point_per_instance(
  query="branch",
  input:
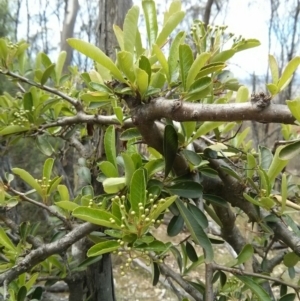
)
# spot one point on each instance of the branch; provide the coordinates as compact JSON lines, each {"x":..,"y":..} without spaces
{"x":235,"y":271}
{"x":50,"y":210}
{"x":40,"y":254}
{"x":75,"y":103}
{"x":186,"y":111}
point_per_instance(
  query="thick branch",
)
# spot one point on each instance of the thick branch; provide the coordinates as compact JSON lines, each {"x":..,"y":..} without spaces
{"x":185,"y":111}
{"x":38,"y":255}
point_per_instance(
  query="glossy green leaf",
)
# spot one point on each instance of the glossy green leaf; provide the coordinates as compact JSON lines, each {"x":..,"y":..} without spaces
{"x":130,"y":134}
{"x":231,"y":172}
{"x":63,"y":192}
{"x":138,"y":189}
{"x":223,"y":56}
{"x":154,"y":166}
{"x":185,"y":62}
{"x":288,"y":72}
{"x":100,"y":87}
{"x":103,"y":248}
{"x":294,"y":106}
{"x":22,"y":293}
{"x":290,"y":259}
{"x":273,"y":89}
{"x":125,"y":63}
{"x":28,"y":178}
{"x":114,"y":185}
{"x":274,"y":68}
{"x":60,"y":65}
{"x":177,"y":256}
{"x":250,"y":199}
{"x":97,"y":55}
{"x":242,"y":94}
{"x":198,"y":63}
{"x":199,"y":89}
{"x":42,"y":142}
{"x":192,"y":157}
{"x":197,"y":233}
{"x":205,"y":128}
{"x":5,"y":241}
{"x":246,"y":44}
{"x":265,"y":157}
{"x":251,"y":165}
{"x":13,"y":129}
{"x":288,"y":297}
{"x":276,"y":166}
{"x":47,"y":73}
{"x":47,"y":169}
{"x":32,"y":280}
{"x":173,"y":56}
{"x":255,"y":288}
{"x":175,"y":225}
{"x":246,"y":253}
{"x":150,"y":15}
{"x":155,"y":273}
{"x":108,"y":169}
{"x":154,"y":246}
{"x":110,"y":145}
{"x":170,"y":147}
{"x":162,"y":59}
{"x":97,"y":216}
{"x":290,"y":151}
{"x":145,"y":65}
{"x":119,"y":36}
{"x":130,"y":28}
{"x":141,"y":81}
{"x":216,"y":200}
{"x":191,"y":253}
{"x":161,"y":207}
{"x":129,"y":167}
{"x":67,"y":205}
{"x":168,"y":28}
{"x":284,"y":192}
{"x":186,"y":189}
{"x":198,"y":215}
{"x":210,"y":68}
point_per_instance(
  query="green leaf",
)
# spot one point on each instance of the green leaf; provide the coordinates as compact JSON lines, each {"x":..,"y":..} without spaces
{"x":273,"y":89}
{"x":288,"y":297}
{"x":185,"y":62}
{"x":246,"y":44}
{"x":175,"y":225}
{"x":154,"y":246}
{"x":110,"y":145}
{"x":198,"y":215}
{"x":138,"y":189}
{"x":265,"y":157}
{"x":197,"y":233}
{"x":173,"y":56}
{"x":170,"y":147}
{"x":5,"y":241}
{"x":47,"y":170}
{"x":129,"y":167}
{"x":103,"y":247}
{"x":251,"y":165}
{"x":290,"y":259}
{"x":294,"y":106}
{"x":199,"y":89}
{"x":130,"y":28}
{"x":47,"y":73}
{"x":198,"y":63}
{"x":205,"y":128}
{"x":191,"y":253}
{"x":254,"y":287}
{"x":28,"y":178}
{"x":244,"y":255}
{"x":130,"y":134}
{"x":67,"y":205}
{"x":125,"y":63}
{"x":210,"y":68}
{"x":150,"y":15}
{"x":223,"y":56}
{"x":108,"y":169}
{"x":142,"y":81}
{"x":288,"y":72}
{"x":186,"y":189}
{"x":155,"y":273}
{"x":274,"y":68}
{"x":242,"y":94}
{"x":144,"y":64}
{"x":63,"y":192}
{"x":192,"y":157}
{"x":168,"y":28}
{"x":276,"y":166}
{"x":97,"y":216}
{"x":114,"y":185}
{"x":59,"y":66}
{"x":97,"y":55}
{"x":290,"y":151}
{"x":162,"y":207}
{"x":13,"y":129}
{"x":22,"y":293}
{"x":284,"y":192}
{"x":163,"y":61}
{"x":119,"y":35}
{"x":250,"y":199}
{"x":216,"y":200}
{"x":44,"y":145}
